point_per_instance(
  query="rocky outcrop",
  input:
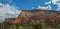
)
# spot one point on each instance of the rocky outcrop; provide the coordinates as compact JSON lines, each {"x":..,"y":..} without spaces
{"x":40,"y":14}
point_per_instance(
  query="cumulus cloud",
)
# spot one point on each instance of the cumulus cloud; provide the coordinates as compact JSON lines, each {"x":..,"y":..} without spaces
{"x":47,"y":7}
{"x":7,"y":11}
{"x":54,"y":1}
{"x":33,"y":7}
{"x":48,"y":2}
{"x":57,"y":2}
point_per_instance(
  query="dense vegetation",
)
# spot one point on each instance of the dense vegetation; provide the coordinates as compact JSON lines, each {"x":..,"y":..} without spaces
{"x":30,"y":25}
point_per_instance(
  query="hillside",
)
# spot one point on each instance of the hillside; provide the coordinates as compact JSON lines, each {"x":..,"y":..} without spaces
{"x":38,"y":15}
{"x":34,"y":19}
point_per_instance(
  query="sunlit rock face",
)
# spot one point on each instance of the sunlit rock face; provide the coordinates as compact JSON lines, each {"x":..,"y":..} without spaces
{"x":39,"y":14}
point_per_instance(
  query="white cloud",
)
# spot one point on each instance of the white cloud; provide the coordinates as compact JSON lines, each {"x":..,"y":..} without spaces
{"x":58,"y":9}
{"x":33,"y":7}
{"x":7,"y":11}
{"x":54,"y":1}
{"x":47,"y":7}
{"x":48,"y":2}
{"x":57,"y":2}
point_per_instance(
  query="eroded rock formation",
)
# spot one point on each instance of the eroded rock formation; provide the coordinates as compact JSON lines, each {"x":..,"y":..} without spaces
{"x":46,"y":15}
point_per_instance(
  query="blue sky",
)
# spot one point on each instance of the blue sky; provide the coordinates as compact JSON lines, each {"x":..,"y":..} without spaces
{"x":28,"y":4}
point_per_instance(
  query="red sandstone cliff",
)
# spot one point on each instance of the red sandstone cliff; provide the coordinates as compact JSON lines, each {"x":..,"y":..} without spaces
{"x":46,"y":15}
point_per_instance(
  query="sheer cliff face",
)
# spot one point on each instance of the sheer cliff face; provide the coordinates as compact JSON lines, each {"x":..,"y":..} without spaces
{"x":46,"y":15}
